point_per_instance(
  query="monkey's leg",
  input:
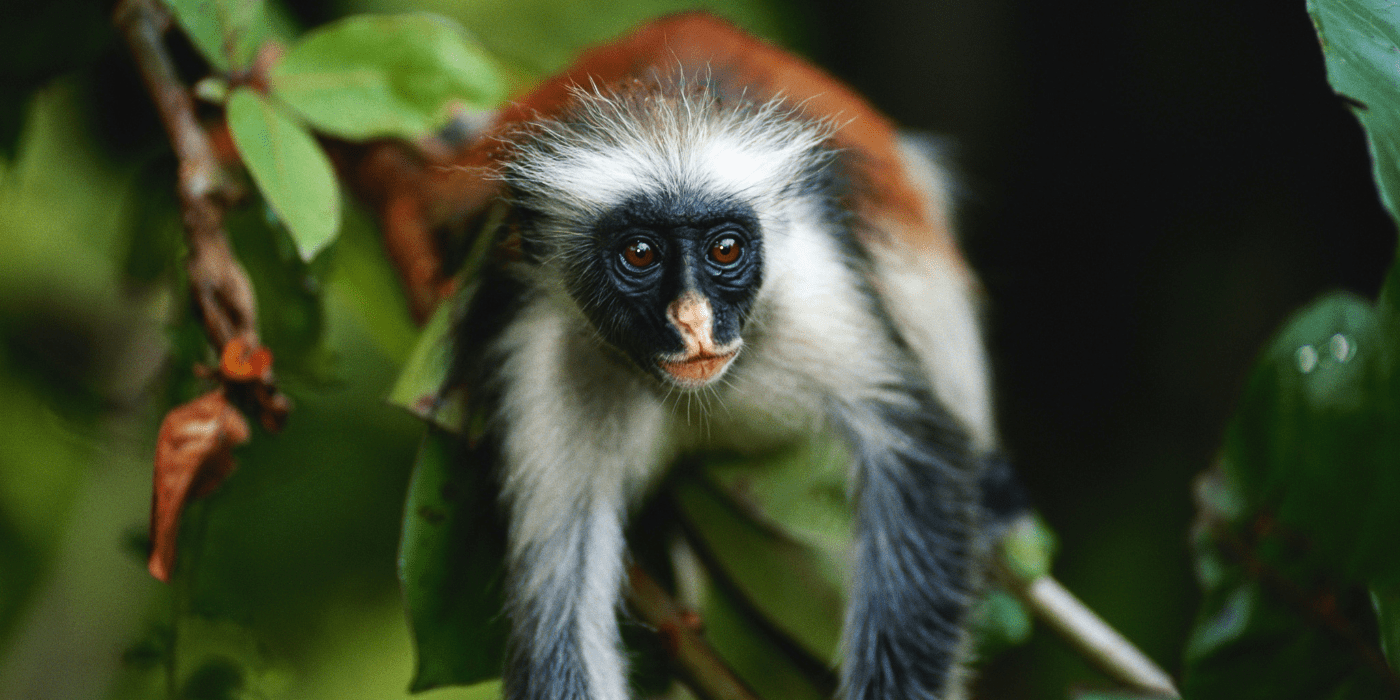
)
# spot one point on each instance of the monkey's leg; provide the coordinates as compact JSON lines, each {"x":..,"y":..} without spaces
{"x":915,"y":556}
{"x":565,"y":571}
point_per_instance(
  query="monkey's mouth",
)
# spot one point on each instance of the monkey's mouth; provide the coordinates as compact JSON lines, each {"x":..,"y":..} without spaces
{"x":699,"y":370}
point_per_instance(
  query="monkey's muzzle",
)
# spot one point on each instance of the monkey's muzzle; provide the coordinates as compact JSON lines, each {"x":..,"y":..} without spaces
{"x":695,"y":372}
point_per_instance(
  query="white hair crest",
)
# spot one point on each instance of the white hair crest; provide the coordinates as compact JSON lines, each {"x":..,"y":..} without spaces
{"x":651,"y":140}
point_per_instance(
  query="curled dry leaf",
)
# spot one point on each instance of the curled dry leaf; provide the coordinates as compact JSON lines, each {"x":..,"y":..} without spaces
{"x":247,"y":366}
{"x":193,"y":456}
{"x":242,"y":361}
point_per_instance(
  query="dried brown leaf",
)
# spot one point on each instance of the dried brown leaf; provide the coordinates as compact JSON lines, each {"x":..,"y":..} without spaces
{"x":193,"y":456}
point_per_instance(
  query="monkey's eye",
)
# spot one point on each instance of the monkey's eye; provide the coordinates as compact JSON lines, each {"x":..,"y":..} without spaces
{"x":639,"y":253}
{"x":726,"y":250}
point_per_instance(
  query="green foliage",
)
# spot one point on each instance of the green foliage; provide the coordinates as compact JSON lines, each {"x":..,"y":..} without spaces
{"x":228,"y":33}
{"x":40,"y":40}
{"x":795,"y":587}
{"x":450,"y":564}
{"x":762,"y":658}
{"x":1300,"y":520}
{"x":419,"y":387}
{"x":1386,"y":603}
{"x":366,"y":76}
{"x":290,"y":169}
{"x":1360,"y":39}
{"x":360,"y":78}
{"x":1318,"y":435}
{"x":1109,"y":695}
{"x":1296,"y":517}
{"x":1359,"y":42}
{"x":1029,"y":548}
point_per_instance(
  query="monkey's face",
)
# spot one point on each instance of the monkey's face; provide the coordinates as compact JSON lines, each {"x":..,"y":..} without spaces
{"x":670,"y":281}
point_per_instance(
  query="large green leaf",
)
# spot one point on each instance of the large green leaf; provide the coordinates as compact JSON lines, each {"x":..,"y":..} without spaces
{"x":290,"y":169}
{"x":1301,"y":515}
{"x":756,"y":655}
{"x":370,"y":76}
{"x":781,"y":522}
{"x":1386,"y":603}
{"x":794,"y":576}
{"x":421,"y":382}
{"x":800,"y":491}
{"x":450,"y":566}
{"x":227,"y":32}
{"x":1360,"y":42}
{"x":1316,"y":440}
{"x":1262,"y":637}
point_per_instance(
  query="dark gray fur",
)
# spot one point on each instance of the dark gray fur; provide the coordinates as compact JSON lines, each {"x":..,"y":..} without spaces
{"x":915,"y":558}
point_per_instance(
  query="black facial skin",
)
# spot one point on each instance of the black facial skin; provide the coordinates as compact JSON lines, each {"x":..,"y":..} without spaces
{"x":673,"y":238}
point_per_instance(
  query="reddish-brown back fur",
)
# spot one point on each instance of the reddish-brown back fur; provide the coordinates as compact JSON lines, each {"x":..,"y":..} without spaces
{"x":742,"y":67}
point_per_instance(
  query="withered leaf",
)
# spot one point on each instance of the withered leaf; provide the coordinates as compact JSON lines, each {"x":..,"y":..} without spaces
{"x":245,"y":362}
{"x":193,"y":456}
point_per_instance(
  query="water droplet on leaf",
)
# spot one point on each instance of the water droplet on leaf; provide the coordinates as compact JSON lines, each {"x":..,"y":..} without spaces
{"x":1307,"y":359}
{"x":1341,"y":347}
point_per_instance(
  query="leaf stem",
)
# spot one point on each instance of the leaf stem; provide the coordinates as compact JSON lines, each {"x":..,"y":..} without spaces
{"x":1314,"y":606}
{"x":1094,"y":638}
{"x":697,"y":662}
{"x":220,"y":286}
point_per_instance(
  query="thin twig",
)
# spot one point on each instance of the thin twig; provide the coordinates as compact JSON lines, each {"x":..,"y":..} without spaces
{"x":1098,"y":642}
{"x":219,"y":284}
{"x":1241,"y":546}
{"x":699,"y":666}
{"x":1309,"y":605}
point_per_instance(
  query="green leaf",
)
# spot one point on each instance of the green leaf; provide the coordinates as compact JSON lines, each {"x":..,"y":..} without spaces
{"x":800,"y":491}
{"x":372,"y":76}
{"x":227,"y":33}
{"x":797,"y":587}
{"x":779,"y":527}
{"x":1386,"y":603}
{"x":1317,"y":437}
{"x":1259,"y":633}
{"x":1300,"y":514}
{"x":1000,"y":621}
{"x":450,"y":567}
{"x":1028,"y":548}
{"x":419,"y":386}
{"x":1360,"y":41}
{"x":757,"y":656}
{"x":290,"y":169}
{"x":1251,"y":645}
{"x":1112,"y":695}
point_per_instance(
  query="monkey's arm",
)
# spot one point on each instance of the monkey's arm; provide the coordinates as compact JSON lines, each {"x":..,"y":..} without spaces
{"x":573,"y":443}
{"x":916,"y":558}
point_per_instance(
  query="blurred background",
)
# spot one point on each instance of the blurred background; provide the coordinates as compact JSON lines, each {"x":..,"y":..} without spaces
{"x":1148,"y":190}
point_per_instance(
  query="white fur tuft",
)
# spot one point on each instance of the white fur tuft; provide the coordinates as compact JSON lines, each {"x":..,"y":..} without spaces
{"x":613,"y":146}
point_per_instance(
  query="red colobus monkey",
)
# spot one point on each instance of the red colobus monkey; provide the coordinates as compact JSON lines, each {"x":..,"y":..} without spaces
{"x":697,"y":212}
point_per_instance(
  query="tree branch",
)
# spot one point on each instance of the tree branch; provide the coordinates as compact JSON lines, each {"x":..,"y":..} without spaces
{"x":219,"y":284}
{"x":696,"y":662}
{"x":1098,"y":642}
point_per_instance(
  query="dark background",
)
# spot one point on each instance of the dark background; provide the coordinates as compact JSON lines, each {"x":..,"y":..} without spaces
{"x":1148,"y":190}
